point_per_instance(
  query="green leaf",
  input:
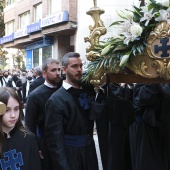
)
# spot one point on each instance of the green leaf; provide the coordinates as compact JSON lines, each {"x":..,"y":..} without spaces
{"x":116,"y":23}
{"x":139,"y":49}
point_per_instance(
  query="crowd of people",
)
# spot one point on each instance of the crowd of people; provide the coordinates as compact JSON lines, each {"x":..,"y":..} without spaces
{"x":55,"y":132}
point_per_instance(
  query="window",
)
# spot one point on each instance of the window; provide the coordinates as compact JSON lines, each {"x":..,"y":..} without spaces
{"x":24,"y":20}
{"x":37,"y":12}
{"x":46,"y":53}
{"x":41,"y":54}
{"x":35,"y":57}
{"x":9,"y":2}
{"x":9,"y":27}
{"x":55,"y":6}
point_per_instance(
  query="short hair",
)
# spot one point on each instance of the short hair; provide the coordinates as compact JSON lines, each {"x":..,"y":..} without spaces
{"x":38,"y":70}
{"x":65,"y":58}
{"x":49,"y":61}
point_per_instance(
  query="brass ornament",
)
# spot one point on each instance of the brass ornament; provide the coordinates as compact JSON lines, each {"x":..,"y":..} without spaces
{"x":96,"y":31}
{"x":2,"y":108}
{"x":156,"y":61}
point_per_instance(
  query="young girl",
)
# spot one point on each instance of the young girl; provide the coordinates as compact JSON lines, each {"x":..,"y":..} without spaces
{"x":18,"y":146}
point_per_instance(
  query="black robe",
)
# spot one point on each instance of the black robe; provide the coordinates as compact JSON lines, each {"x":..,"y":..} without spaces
{"x":18,"y":84}
{"x":113,"y":127}
{"x":65,"y":115}
{"x":145,"y":137}
{"x":20,"y":151}
{"x":165,"y":119}
{"x":35,"y":117}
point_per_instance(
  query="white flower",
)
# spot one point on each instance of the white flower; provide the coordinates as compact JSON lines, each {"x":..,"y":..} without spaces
{"x":164,"y":15}
{"x":164,"y":3}
{"x":126,"y":14}
{"x":147,"y":2}
{"x":129,"y":15}
{"x":126,"y":26}
{"x":128,"y":37}
{"x":136,"y":30}
{"x":147,"y":16}
{"x":124,"y":60}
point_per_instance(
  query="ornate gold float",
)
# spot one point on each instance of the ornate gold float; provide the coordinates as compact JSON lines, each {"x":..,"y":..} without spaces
{"x":152,"y":66}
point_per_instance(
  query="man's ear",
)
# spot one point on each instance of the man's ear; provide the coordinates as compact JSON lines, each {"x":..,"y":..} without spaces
{"x":44,"y":73}
{"x":64,"y":69}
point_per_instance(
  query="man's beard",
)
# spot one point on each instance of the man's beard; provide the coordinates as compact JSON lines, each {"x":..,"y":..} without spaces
{"x":54,"y":82}
{"x":77,"y":81}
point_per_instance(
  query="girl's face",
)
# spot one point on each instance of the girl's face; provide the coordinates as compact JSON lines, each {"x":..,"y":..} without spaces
{"x":11,"y":115}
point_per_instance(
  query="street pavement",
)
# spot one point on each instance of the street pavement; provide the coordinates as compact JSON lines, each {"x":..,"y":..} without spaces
{"x":98,"y":152}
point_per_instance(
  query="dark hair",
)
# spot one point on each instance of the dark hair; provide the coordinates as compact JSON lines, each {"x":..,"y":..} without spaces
{"x":49,"y":61}
{"x":38,"y":71}
{"x":5,"y":94}
{"x":67,"y":56}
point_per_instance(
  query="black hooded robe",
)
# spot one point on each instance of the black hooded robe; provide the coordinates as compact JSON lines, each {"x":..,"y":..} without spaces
{"x":66,"y":115}
{"x":145,"y":137}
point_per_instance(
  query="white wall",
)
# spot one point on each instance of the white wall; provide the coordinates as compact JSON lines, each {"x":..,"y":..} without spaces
{"x":84,"y":20}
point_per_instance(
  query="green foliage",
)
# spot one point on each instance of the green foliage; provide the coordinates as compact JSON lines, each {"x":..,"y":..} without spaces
{"x":135,"y":26}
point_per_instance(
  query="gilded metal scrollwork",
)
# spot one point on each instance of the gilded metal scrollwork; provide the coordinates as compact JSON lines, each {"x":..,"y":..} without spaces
{"x":163,"y":68}
{"x":96,"y":32}
{"x":156,"y":61}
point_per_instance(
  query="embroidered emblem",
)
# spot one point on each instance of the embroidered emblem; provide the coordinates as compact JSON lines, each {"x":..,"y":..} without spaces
{"x":84,"y":101}
{"x":164,"y":48}
{"x":11,"y":160}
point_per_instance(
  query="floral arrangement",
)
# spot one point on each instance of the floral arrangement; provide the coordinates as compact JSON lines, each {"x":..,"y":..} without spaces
{"x":133,"y":30}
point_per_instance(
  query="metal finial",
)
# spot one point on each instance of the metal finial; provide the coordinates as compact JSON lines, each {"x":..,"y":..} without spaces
{"x":95,"y":3}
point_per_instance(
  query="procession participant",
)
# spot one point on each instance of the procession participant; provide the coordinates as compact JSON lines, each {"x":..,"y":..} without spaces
{"x":35,"y":106}
{"x":39,"y":80}
{"x":68,"y":130}
{"x":18,"y":146}
{"x":145,"y":138}
{"x":15,"y":83}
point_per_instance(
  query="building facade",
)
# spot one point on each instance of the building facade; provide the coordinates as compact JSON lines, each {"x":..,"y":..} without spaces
{"x":50,"y":28}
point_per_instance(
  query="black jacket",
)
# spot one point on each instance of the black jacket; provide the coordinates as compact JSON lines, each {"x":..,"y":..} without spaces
{"x":18,"y":83}
{"x":37,"y":82}
{"x":20,"y":151}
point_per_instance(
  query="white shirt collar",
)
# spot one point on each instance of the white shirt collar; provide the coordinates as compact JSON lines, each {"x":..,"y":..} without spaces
{"x":49,"y":85}
{"x":67,"y":85}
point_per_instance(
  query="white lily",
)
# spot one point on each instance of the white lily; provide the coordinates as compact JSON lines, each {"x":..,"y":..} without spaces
{"x":126,"y":14}
{"x":164,"y":3}
{"x":164,"y":15}
{"x":147,"y":16}
{"x":128,"y":37}
{"x":126,"y":25}
{"x":129,"y":15}
{"x":124,"y":60}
